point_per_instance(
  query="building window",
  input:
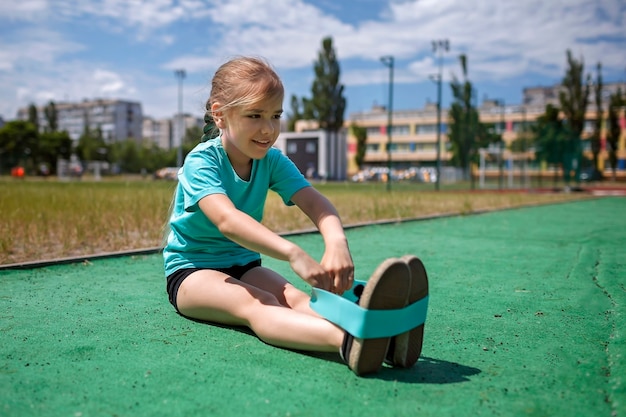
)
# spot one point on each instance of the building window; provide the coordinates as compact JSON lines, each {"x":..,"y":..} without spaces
{"x":401,"y":147}
{"x":518,"y":126}
{"x":426,"y":129}
{"x":375,"y":131}
{"x":292,"y":148}
{"x":311,"y":147}
{"x":400,"y":130}
{"x":420,"y":147}
{"x":397,"y":130}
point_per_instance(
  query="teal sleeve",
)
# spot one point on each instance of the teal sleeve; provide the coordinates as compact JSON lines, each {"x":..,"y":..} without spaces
{"x":285,"y":178}
{"x":198,"y":178}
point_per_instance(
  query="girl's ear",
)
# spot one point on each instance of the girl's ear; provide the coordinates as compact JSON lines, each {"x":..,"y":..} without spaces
{"x":218,"y":115}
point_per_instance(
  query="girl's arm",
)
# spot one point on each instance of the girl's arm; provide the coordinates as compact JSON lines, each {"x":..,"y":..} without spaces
{"x":246,"y":231}
{"x":337,"y":259}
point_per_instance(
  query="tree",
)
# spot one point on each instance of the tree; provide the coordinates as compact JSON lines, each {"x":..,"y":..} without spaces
{"x":50,"y":111}
{"x":90,"y":144}
{"x":18,"y":141}
{"x":327,"y":104}
{"x":295,"y":114}
{"x":458,"y":125}
{"x":597,"y":131}
{"x":573,"y":99}
{"x":193,"y":135}
{"x":550,"y":137}
{"x":127,"y":155}
{"x":33,"y":116}
{"x":616,"y":102}
{"x":360,"y":133}
{"x":151,"y":157}
{"x":54,"y":145}
{"x":465,"y":131}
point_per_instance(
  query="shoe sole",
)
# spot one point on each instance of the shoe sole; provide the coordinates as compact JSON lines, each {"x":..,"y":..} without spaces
{"x":408,"y":346}
{"x":386,"y":289}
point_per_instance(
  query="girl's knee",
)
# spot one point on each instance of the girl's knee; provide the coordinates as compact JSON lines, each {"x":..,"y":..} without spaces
{"x":296,"y":299}
{"x":259,"y":302}
{"x":265,"y":298}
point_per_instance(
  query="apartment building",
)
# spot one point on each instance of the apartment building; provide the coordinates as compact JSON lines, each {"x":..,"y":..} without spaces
{"x":167,"y":132}
{"x":118,"y":120}
{"x":414,"y":132}
{"x":540,"y":96}
{"x":158,"y":131}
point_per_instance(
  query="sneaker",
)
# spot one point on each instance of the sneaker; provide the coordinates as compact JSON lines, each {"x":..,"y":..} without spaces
{"x":406,"y":348}
{"x":386,"y":289}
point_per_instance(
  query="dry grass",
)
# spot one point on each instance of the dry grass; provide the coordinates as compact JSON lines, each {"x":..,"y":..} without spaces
{"x":44,"y":220}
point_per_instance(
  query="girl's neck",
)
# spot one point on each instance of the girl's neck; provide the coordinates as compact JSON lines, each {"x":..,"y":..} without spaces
{"x":243,"y":170}
{"x":240,"y":162}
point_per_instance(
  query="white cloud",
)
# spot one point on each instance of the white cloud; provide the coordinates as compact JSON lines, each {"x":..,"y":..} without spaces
{"x":34,"y":46}
{"x":421,"y":67}
{"x":109,"y":83}
{"x":43,"y":56}
{"x":287,"y":32}
{"x":508,"y":38}
{"x":23,"y":10}
{"x":193,"y":63}
{"x":132,"y":13}
{"x":501,"y":39}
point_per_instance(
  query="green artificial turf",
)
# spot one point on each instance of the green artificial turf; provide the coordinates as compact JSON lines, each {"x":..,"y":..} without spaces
{"x":526,"y":318}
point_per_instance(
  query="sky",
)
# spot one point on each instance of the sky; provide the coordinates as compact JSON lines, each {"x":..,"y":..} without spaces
{"x":70,"y":50}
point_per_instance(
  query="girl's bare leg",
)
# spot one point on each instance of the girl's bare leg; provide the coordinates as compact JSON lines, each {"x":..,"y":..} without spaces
{"x":283,"y":290}
{"x":213,"y":296}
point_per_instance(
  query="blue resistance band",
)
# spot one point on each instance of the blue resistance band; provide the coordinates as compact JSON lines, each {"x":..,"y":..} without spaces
{"x":363,"y":323}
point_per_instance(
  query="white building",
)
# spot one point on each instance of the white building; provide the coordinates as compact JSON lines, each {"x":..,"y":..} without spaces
{"x":166,"y":133}
{"x":158,"y":131}
{"x":117,"y":119}
{"x":317,"y":154}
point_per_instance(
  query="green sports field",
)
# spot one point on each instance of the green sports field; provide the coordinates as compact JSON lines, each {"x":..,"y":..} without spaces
{"x":526,"y":318}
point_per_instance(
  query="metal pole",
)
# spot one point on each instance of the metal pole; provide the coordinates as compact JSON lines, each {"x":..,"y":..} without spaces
{"x":524,"y":147}
{"x":500,"y":150}
{"x":439,"y":46}
{"x":438,"y":179}
{"x":388,"y":61}
{"x":180,"y":74}
{"x":474,"y":124}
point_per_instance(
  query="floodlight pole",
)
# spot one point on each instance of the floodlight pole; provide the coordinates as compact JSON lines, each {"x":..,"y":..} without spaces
{"x":441,"y":46}
{"x":500,"y":102}
{"x":388,"y":61}
{"x":180,"y":74}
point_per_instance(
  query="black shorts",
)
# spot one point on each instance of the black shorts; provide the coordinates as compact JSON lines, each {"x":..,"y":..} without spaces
{"x":176,"y":278}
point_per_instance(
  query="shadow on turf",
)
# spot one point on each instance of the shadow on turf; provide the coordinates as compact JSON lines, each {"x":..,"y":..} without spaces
{"x":425,"y":371}
{"x":430,"y":371}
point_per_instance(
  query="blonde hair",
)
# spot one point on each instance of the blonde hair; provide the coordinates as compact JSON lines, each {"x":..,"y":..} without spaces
{"x":242,"y":81}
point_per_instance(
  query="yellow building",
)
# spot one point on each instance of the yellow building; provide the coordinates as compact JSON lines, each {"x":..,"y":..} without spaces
{"x":414,"y":132}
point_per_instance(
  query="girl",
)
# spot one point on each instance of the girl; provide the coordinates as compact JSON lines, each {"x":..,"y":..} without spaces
{"x":213,"y":250}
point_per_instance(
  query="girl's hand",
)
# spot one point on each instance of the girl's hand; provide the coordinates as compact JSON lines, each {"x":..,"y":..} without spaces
{"x":338,"y":262}
{"x":310,"y":271}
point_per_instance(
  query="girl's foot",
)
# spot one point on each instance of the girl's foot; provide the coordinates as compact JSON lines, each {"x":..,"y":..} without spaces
{"x":406,"y":348}
{"x":386,"y":289}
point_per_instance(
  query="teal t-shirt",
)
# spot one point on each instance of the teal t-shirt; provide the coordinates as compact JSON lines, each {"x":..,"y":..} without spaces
{"x":195,"y":242}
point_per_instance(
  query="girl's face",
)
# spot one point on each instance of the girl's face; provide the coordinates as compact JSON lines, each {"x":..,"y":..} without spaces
{"x":249,"y":131}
